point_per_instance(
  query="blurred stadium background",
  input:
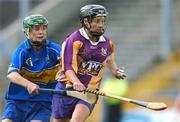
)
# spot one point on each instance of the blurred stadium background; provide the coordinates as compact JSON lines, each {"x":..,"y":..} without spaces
{"x":146,"y":34}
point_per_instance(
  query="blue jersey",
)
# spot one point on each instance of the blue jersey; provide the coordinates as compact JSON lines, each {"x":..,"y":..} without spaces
{"x":38,"y":67}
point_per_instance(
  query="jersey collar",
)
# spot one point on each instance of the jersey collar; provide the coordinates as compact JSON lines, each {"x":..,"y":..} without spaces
{"x":84,"y":34}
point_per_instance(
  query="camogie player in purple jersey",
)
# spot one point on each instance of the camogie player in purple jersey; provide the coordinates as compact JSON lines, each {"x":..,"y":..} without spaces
{"x":85,"y":55}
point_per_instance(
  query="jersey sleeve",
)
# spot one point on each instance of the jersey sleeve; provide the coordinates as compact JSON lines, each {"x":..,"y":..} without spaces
{"x":16,"y":61}
{"x":70,"y":49}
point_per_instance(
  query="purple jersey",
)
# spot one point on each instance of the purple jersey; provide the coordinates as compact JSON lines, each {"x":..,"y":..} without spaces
{"x":86,"y":58}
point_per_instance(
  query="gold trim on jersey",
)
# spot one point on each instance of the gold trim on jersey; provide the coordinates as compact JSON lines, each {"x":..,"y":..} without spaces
{"x":44,"y":76}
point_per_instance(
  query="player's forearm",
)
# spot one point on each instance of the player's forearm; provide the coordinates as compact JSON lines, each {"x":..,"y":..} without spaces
{"x":112,"y":66}
{"x":117,"y":72}
{"x":77,"y":85}
{"x":18,"y":79}
{"x":70,"y":74}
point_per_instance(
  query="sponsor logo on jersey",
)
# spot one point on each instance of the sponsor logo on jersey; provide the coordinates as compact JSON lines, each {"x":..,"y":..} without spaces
{"x":90,"y":67}
{"x":94,"y":47}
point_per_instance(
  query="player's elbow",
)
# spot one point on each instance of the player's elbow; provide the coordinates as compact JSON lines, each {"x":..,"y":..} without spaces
{"x":11,"y":75}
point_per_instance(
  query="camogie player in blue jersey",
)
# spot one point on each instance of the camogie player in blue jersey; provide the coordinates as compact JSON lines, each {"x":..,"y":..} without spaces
{"x":34,"y":64}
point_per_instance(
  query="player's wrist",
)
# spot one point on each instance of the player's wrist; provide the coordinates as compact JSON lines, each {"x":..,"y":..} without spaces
{"x":27,"y":84}
{"x":74,"y":82}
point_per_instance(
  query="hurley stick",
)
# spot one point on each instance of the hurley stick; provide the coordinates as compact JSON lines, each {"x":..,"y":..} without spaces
{"x":150,"y":105}
{"x":86,"y":96}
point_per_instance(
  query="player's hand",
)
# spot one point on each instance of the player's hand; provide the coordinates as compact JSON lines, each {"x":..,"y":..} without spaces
{"x":78,"y":86}
{"x":32,"y":88}
{"x":120,"y":74}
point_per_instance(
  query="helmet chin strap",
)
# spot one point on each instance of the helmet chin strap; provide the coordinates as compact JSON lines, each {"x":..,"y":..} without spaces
{"x":96,"y":34}
{"x":37,"y":43}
